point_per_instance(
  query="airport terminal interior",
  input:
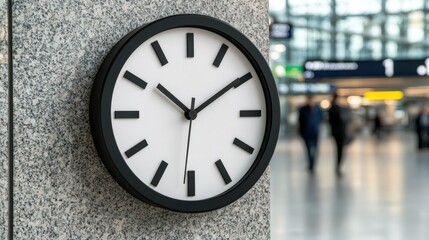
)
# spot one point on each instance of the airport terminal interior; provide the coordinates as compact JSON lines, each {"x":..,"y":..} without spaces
{"x":373,"y":54}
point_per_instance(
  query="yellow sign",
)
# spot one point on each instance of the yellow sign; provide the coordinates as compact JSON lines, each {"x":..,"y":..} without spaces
{"x":384,"y":95}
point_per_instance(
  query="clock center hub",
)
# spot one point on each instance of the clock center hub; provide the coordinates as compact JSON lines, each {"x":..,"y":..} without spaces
{"x":191,"y":114}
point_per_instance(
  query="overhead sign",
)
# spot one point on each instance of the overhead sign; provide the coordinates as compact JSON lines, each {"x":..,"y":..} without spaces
{"x":294,"y":71}
{"x":383,"y":95}
{"x":306,"y":88}
{"x":351,"y":69}
{"x":281,"y":31}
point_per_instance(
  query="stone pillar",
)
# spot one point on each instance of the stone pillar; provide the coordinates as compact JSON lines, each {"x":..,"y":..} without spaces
{"x":62,"y":190}
{"x":4,"y":134}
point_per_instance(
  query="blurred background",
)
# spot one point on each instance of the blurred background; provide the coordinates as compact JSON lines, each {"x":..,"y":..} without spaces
{"x":375,"y":55}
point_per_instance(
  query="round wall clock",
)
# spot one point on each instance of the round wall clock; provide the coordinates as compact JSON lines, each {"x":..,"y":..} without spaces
{"x":185,"y":113}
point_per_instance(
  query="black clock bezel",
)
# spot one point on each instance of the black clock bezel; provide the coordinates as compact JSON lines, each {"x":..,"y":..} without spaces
{"x":100,"y":113}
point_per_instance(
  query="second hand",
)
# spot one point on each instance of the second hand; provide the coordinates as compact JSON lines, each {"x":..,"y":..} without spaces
{"x":189,"y":140}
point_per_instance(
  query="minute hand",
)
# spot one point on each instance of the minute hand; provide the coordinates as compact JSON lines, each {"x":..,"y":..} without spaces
{"x":234,"y":84}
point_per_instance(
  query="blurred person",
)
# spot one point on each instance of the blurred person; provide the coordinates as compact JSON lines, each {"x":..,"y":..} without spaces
{"x":422,"y":128}
{"x":338,"y":118}
{"x":378,"y":124}
{"x":309,"y":119}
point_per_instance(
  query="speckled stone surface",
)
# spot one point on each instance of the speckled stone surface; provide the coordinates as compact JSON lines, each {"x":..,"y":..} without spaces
{"x":62,"y":190}
{"x":3,"y":121}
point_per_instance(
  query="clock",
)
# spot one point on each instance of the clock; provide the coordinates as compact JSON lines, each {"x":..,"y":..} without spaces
{"x":185,"y":113}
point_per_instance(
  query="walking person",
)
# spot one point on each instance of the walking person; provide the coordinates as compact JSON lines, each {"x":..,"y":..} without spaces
{"x":378,"y":125}
{"x":422,"y":128}
{"x":338,"y":118}
{"x":310,"y":118}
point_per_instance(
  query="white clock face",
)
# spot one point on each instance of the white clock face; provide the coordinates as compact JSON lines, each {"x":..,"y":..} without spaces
{"x":225,"y":124}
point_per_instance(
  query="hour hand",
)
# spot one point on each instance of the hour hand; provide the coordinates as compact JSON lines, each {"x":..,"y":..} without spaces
{"x":170,"y":96}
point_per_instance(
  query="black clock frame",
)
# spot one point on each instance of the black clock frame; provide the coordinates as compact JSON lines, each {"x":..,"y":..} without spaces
{"x":100,"y":113}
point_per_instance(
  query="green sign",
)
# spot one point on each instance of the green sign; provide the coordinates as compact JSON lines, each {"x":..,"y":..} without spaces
{"x":294,"y":72}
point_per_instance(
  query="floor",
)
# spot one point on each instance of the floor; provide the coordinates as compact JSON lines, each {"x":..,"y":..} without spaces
{"x":383,"y":194}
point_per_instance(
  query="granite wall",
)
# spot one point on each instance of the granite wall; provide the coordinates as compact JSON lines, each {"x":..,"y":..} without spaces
{"x":4,"y":179}
{"x":62,"y":190}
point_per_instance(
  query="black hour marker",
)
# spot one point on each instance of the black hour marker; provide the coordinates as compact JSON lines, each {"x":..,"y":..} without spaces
{"x":139,"y":146}
{"x":220,"y":55}
{"x":159,"y":53}
{"x":191,"y":183}
{"x":134,"y":79}
{"x":237,"y":142}
{"x":223,"y":171}
{"x":190,"y":45}
{"x":158,"y":175}
{"x":250,"y":113}
{"x":126,"y":114}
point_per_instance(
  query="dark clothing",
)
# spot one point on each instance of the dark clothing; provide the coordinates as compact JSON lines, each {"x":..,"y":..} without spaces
{"x":310,"y":118}
{"x":377,"y":122}
{"x":340,"y":141}
{"x":338,"y":121}
{"x":377,"y":126}
{"x":309,"y":121}
{"x":311,"y":146}
{"x":422,"y":129}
